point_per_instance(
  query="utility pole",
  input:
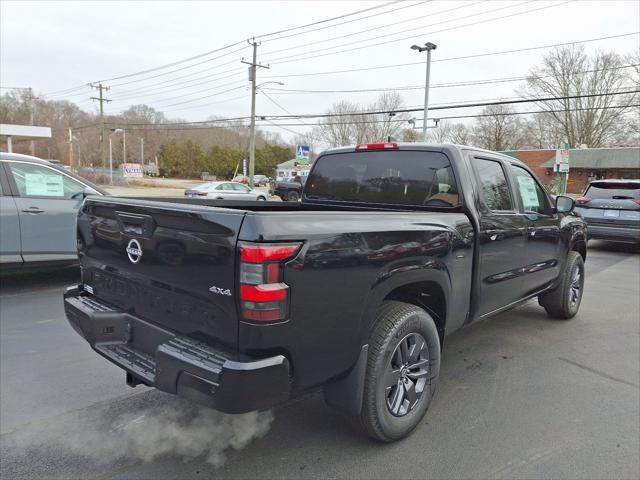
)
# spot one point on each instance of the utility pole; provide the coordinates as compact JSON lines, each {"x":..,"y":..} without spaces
{"x":428,"y":47}
{"x":31,"y":98}
{"x":253,"y":65}
{"x":71,"y":149}
{"x":101,"y":99}
{"x":142,"y":151}
{"x":124,"y":146}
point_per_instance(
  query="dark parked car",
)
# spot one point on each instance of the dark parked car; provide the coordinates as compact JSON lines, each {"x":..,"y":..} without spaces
{"x":611,"y":209}
{"x":39,"y":202}
{"x":353,"y":290}
{"x":289,"y":189}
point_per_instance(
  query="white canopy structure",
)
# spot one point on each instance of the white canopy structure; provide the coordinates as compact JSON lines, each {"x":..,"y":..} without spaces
{"x":22,"y":131}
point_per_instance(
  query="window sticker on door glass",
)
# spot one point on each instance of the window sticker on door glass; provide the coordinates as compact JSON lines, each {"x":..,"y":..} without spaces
{"x":527,"y":187}
{"x":40,"y":184}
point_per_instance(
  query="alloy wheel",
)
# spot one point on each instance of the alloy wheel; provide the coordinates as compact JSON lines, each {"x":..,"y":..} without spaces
{"x":406,"y":375}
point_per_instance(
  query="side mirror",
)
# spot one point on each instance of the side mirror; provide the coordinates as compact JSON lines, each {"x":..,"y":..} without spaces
{"x":564,"y":204}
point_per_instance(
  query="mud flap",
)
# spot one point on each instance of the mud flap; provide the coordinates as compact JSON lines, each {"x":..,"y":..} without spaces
{"x":346,"y":393}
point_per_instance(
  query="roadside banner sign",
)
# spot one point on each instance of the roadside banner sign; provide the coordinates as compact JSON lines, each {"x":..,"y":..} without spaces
{"x":132,"y":170}
{"x":302,"y":154}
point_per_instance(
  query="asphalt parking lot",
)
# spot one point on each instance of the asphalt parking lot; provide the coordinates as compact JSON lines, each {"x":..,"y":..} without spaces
{"x":520,"y":396}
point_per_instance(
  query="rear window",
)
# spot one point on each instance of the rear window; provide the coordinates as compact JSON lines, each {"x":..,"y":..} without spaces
{"x":399,"y":177}
{"x":616,"y":190}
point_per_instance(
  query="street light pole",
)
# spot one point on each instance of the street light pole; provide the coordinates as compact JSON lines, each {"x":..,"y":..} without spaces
{"x":117,"y":130}
{"x":428,"y":47}
{"x":110,"y":162}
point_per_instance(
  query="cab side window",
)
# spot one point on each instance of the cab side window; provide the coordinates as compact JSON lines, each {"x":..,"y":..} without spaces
{"x":39,"y":181}
{"x":533,"y":198}
{"x":493,"y":181}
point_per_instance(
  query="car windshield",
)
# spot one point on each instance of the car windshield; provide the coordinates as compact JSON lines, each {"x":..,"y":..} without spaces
{"x":400,"y":177}
{"x":614,"y":191}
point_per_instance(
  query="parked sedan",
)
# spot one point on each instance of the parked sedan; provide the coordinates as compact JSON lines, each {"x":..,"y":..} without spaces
{"x":611,"y":209}
{"x":39,"y":202}
{"x":225,"y":191}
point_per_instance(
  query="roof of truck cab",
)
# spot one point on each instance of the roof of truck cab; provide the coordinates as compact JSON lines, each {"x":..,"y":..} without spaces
{"x":427,"y":147}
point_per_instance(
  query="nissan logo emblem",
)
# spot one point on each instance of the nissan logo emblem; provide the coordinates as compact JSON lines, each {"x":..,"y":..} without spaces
{"x":134,"y":250}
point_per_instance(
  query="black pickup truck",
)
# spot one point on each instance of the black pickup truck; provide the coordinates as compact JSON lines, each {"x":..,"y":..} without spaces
{"x":244,"y":305}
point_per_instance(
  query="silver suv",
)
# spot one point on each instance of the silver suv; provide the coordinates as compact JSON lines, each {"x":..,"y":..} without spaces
{"x":38,"y":205}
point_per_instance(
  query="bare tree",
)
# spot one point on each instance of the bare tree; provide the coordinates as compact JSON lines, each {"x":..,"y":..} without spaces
{"x":354,"y":125}
{"x":498,"y":129}
{"x":542,"y":131}
{"x":441,"y":133}
{"x":461,"y":134}
{"x":569,"y":71}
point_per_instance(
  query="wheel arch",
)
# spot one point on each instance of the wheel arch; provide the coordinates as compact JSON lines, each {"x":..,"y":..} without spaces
{"x":427,"y":289}
{"x":580,"y":246}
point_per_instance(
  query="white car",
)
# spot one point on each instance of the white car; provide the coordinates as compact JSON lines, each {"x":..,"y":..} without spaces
{"x":225,"y":191}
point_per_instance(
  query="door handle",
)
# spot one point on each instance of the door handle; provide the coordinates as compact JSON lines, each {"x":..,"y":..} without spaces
{"x":33,"y":210}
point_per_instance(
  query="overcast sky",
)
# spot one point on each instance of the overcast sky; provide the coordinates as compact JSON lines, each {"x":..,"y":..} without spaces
{"x":52,"y":46}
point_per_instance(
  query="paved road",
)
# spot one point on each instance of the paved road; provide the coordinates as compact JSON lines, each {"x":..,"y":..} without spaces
{"x":521,"y":396}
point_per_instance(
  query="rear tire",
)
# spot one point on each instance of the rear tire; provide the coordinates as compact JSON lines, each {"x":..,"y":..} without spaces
{"x":563,"y":302}
{"x":293,"y":196}
{"x":402,"y":371}
{"x":262,"y":199}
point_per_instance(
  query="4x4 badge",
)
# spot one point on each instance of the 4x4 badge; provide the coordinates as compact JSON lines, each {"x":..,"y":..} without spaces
{"x":220,"y":291}
{"x":134,"y":250}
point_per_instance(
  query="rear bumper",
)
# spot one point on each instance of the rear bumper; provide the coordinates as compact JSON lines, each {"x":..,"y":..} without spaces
{"x":614,"y":233}
{"x":191,"y":369}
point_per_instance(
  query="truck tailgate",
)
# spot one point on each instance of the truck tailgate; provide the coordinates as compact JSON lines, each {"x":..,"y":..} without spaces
{"x":168,"y":263}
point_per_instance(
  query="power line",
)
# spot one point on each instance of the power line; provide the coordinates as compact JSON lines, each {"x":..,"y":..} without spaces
{"x":184,"y":68}
{"x":392,"y":24}
{"x":209,"y":78}
{"x":287,"y":91}
{"x":354,"y":20}
{"x":283,"y":128}
{"x":379,"y":67}
{"x":279,"y":106}
{"x":201,"y":98}
{"x":477,"y":115}
{"x":178,"y":62}
{"x":292,"y":58}
{"x":193,"y":126}
{"x":126,"y":97}
{"x":206,"y":105}
{"x":319,"y":22}
{"x":477,"y":104}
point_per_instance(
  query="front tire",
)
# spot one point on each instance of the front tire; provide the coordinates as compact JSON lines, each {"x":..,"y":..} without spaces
{"x":563,"y":301}
{"x":402,"y":371}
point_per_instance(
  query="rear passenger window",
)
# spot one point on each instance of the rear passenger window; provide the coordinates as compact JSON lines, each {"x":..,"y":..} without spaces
{"x":495,"y":190}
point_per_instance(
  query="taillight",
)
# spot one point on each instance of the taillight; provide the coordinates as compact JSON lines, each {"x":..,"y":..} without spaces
{"x":583,"y":200}
{"x":202,"y":194}
{"x":376,"y":146}
{"x":263,"y":295}
{"x":637,"y":200}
